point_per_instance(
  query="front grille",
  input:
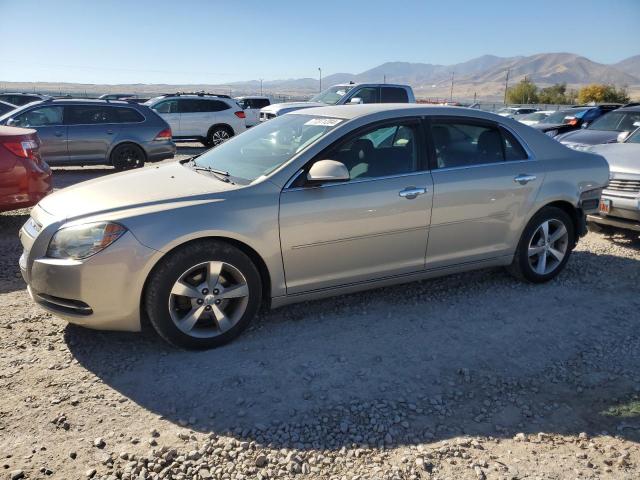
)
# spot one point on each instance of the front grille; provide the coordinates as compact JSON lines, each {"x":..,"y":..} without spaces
{"x":624,"y":185}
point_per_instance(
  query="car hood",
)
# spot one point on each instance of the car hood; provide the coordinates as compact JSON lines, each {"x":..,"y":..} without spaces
{"x":548,"y":126}
{"x":622,"y":157}
{"x":156,"y":188}
{"x":290,"y":106}
{"x":589,"y":137}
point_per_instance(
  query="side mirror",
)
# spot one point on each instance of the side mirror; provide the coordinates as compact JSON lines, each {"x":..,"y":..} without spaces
{"x":622,"y":136}
{"x":584,"y":125}
{"x":356,"y":100}
{"x":328,"y":171}
{"x":12,"y":122}
{"x":636,"y":124}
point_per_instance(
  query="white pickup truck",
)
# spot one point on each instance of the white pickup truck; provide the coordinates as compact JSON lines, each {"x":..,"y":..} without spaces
{"x":346,"y":93}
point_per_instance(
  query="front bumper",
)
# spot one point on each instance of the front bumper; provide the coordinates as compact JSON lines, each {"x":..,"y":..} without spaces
{"x":624,"y":212}
{"x":101,"y":292}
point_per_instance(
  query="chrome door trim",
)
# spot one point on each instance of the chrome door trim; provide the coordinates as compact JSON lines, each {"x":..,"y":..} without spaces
{"x":478,"y":165}
{"x":523,"y":178}
{"x":350,"y":182}
{"x":412,"y":192}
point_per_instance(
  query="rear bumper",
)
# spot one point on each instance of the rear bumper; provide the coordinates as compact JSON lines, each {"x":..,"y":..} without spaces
{"x":27,"y":192}
{"x":156,"y":151}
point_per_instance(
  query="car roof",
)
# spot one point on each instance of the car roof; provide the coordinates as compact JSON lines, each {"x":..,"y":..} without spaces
{"x":86,"y":101}
{"x":628,"y":109}
{"x":358,"y":84}
{"x":349,"y":112}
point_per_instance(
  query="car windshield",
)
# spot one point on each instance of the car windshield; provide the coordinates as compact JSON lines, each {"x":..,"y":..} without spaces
{"x":617,"y":122}
{"x":265,"y":147}
{"x":562,"y":116}
{"x":331,"y":95}
{"x":634,"y":137}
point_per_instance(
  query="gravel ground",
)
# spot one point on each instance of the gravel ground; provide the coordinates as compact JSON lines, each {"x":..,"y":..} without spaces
{"x":469,"y":377}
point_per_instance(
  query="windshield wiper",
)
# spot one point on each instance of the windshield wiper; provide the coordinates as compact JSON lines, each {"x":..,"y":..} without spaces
{"x":219,"y":174}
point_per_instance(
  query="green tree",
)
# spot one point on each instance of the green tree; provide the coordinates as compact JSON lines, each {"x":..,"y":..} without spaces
{"x":556,"y":94}
{"x":524,"y":91}
{"x":598,"y":92}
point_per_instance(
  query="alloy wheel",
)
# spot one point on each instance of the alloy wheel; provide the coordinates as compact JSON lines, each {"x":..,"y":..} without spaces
{"x":208,"y":299}
{"x":219,"y":136}
{"x":548,"y":246}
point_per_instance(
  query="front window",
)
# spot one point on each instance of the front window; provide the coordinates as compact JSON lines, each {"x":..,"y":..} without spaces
{"x":39,"y":117}
{"x":634,"y":137}
{"x":616,"y":122}
{"x":331,"y":95}
{"x":265,"y":147}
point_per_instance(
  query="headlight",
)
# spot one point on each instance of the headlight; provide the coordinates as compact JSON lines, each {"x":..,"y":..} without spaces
{"x":82,"y":241}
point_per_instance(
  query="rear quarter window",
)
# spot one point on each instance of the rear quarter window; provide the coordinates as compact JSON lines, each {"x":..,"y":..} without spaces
{"x":128,"y":115}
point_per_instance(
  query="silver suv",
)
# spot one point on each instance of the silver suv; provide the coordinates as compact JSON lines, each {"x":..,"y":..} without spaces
{"x":345,"y":94}
{"x":206,"y":118}
{"x":86,"y":132}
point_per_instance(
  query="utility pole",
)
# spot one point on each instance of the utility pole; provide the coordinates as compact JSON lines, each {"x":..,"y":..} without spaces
{"x":384,"y":77}
{"x":261,"y":86}
{"x":320,"y":71}
{"x":451,"y":96}
{"x":506,"y":86}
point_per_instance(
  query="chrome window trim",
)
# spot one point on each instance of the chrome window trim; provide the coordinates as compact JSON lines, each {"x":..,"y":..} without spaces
{"x":83,"y":124}
{"x":465,"y":167}
{"x":350,"y":182}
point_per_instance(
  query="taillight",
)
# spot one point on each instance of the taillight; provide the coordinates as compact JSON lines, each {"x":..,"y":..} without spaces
{"x":23,"y":149}
{"x":164,"y":134}
{"x":572,"y":121}
{"x":240,"y":114}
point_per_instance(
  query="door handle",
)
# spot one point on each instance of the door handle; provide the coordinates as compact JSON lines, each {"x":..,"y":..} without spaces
{"x":58,"y":134}
{"x":110,"y":132}
{"x":523,"y":178}
{"x":412,"y":192}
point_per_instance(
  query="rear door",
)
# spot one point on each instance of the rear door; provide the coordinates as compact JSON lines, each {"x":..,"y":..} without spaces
{"x":91,"y":130}
{"x":168,"y":110}
{"x":48,"y":121}
{"x":485,"y":183}
{"x":196,"y":116}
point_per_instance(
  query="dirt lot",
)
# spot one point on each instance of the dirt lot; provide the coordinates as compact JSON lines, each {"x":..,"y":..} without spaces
{"x":470,"y":376}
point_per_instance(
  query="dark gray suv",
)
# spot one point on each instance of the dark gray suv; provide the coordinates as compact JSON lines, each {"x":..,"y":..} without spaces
{"x":85,"y":132}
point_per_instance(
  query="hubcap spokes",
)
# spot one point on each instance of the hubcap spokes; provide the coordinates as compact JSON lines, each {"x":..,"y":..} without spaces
{"x":208,"y":299}
{"x":219,"y":137}
{"x":548,"y":246}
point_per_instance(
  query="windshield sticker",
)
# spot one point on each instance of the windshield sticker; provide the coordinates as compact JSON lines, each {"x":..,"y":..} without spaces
{"x":324,"y":122}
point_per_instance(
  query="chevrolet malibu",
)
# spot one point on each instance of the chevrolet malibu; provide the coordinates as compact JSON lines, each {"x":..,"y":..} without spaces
{"x":314,"y":203}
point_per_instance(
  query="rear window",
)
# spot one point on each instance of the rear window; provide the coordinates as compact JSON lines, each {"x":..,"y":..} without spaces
{"x":393,"y":95}
{"x":128,"y":115}
{"x":188,"y":105}
{"x":89,"y":115}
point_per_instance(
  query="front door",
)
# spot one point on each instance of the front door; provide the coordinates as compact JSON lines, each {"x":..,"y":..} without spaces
{"x":373,"y":226}
{"x":48,"y":122}
{"x":484,"y":184}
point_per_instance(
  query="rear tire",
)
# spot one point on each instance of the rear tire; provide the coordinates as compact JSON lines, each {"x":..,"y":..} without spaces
{"x":544,"y":247}
{"x":127,"y":156}
{"x":203,"y":295}
{"x":217,"y":135}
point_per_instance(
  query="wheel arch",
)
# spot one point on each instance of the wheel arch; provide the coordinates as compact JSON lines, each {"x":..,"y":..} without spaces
{"x":125,"y":142}
{"x":570,"y":209}
{"x":223,"y":125}
{"x":256,"y":258}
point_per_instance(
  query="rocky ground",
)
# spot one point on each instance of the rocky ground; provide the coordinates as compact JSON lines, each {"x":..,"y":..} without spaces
{"x":466,"y":377}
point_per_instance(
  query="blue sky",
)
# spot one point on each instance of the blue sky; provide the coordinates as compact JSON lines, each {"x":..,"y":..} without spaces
{"x":156,"y":41}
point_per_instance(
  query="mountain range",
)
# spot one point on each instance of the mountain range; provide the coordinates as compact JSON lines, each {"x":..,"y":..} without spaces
{"x":482,"y":77}
{"x":543,"y":69}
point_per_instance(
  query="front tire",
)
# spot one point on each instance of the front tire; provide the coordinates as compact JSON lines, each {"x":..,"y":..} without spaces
{"x":544,"y":247}
{"x":203,"y":295}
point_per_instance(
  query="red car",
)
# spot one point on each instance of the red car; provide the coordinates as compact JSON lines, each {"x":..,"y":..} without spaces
{"x":24,"y":177}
